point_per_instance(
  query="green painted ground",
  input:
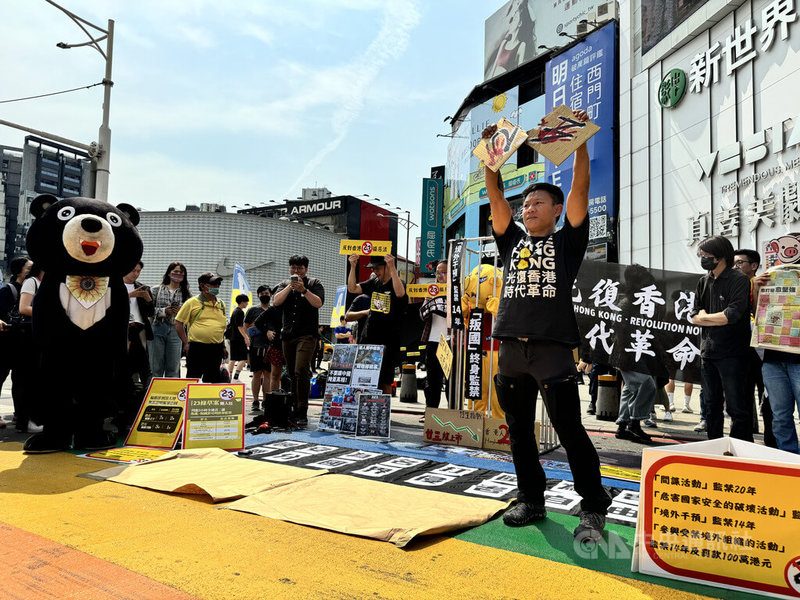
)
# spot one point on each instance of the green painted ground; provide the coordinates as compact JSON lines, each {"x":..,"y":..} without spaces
{"x":552,"y":540}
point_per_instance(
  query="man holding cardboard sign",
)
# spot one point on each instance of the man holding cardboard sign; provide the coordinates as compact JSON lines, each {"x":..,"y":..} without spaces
{"x":537,"y":328}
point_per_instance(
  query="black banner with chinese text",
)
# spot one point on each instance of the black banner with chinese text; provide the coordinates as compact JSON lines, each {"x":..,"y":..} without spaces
{"x":637,"y":319}
{"x":454,"y":285}
{"x":474,"y":370}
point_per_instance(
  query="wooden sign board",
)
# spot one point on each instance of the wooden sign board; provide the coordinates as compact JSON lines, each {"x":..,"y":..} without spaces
{"x":214,"y":416}
{"x":495,"y":434}
{"x":365,"y":247}
{"x":160,"y":417}
{"x":426,"y":290}
{"x":455,"y":427}
{"x":560,"y":135}
{"x":445,"y":356}
{"x":496,"y":150}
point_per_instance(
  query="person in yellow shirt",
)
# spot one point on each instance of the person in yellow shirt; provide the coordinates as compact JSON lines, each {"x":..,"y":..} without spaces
{"x":200,"y":324}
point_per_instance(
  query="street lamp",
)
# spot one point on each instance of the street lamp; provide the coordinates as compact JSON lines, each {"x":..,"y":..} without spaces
{"x":101,"y":153}
{"x":407,"y":224}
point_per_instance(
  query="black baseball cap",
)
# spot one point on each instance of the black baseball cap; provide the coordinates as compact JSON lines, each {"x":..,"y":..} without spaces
{"x":377,"y":261}
{"x":209,"y":277}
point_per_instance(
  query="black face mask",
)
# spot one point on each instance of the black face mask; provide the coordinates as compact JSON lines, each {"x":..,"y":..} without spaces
{"x":707,"y":263}
{"x":264,"y":299}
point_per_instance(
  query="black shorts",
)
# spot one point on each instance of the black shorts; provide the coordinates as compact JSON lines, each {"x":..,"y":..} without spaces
{"x":258,"y":360}
{"x":238,"y":350}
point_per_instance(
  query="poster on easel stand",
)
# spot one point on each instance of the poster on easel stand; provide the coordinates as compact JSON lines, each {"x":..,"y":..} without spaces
{"x":160,"y":419}
{"x":214,"y":416}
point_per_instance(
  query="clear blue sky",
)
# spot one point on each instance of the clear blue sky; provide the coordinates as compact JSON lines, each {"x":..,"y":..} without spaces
{"x":235,"y":101}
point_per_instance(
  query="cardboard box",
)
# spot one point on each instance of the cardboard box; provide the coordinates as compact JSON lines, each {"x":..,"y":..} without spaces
{"x":456,"y":427}
{"x":495,"y":434}
{"x":721,"y":512}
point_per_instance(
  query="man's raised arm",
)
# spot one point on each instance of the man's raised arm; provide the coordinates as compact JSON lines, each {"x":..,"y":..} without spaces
{"x":578,"y":198}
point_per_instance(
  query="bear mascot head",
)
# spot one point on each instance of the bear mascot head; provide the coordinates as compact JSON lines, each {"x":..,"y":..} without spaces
{"x":80,"y":316}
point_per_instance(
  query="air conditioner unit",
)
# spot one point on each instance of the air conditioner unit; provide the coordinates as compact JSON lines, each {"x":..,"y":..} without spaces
{"x":606,"y":11}
{"x":582,"y":28}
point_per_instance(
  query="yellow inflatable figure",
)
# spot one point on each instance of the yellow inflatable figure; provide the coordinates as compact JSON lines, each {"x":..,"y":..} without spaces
{"x":483,"y":289}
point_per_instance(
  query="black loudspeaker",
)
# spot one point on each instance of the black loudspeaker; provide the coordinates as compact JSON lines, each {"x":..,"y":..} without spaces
{"x":278,"y":408}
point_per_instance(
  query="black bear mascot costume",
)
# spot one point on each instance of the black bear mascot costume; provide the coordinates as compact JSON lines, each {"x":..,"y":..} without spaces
{"x":80,"y":316}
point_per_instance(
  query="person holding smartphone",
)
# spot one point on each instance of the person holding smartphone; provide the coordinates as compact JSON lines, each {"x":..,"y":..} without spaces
{"x":300,"y":297}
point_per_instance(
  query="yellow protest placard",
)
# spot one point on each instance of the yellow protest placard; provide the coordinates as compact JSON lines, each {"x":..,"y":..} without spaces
{"x":126,"y":455}
{"x":560,"y":135}
{"x":445,"y":356}
{"x":722,"y":512}
{"x":426,"y":290}
{"x":365,"y":247}
{"x":496,"y":150}
{"x":214,"y":416}
{"x":160,"y":417}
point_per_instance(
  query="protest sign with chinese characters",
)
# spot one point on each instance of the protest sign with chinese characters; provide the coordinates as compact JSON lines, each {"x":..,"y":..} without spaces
{"x":214,"y":416}
{"x":426,"y":290}
{"x":777,"y":319}
{"x":560,"y":134}
{"x":445,"y":355}
{"x":783,"y":250}
{"x":456,"y":427}
{"x":454,"y":312}
{"x":638,"y":319}
{"x":496,"y":150}
{"x":473,"y":374}
{"x":721,"y":512}
{"x":160,"y":417}
{"x":365,"y":247}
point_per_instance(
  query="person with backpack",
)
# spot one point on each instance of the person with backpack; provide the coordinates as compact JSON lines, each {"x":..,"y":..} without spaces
{"x":200,"y":324}
{"x":18,"y":267}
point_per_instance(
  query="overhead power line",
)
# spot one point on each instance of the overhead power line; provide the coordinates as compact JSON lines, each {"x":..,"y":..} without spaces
{"x":84,"y":87}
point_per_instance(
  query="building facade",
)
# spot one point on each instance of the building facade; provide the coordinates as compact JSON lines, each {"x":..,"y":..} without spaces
{"x":709,"y":130}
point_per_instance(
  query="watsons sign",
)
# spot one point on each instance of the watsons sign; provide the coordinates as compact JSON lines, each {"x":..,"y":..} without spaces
{"x":315,"y":209}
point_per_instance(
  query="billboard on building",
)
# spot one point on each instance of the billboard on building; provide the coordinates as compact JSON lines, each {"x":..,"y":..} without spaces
{"x":514,"y":34}
{"x":660,"y":17}
{"x":431,"y":244}
{"x":584,"y":78}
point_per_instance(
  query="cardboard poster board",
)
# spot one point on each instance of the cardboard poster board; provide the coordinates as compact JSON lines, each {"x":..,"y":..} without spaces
{"x":160,"y":418}
{"x":495,"y":434}
{"x":358,"y":365}
{"x":560,"y":135}
{"x":777,"y":319}
{"x":365,"y":247}
{"x":721,"y":512}
{"x":445,"y":355}
{"x":496,"y":150}
{"x":214,"y":416}
{"x":455,"y":427}
{"x":374,"y":415}
{"x":426,"y":290}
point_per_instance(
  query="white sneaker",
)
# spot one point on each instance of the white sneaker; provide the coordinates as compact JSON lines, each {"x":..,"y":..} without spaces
{"x":667,"y":416}
{"x":687,"y":409}
{"x":701,"y":426}
{"x":671,"y":408}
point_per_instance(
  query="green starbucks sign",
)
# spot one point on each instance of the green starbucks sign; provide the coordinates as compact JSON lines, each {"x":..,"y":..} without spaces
{"x":672,"y":88}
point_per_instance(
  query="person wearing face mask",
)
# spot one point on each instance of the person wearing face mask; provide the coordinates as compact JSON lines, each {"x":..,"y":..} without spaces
{"x":165,"y":347}
{"x":433,"y":312}
{"x":722,"y":309}
{"x":200,"y":323}
{"x":257,"y":343}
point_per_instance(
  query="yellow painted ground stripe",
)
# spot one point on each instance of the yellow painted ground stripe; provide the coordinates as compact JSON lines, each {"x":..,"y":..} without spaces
{"x":186,"y":543}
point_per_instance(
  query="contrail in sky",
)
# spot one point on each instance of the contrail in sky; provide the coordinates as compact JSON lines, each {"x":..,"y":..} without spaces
{"x":399,"y":19}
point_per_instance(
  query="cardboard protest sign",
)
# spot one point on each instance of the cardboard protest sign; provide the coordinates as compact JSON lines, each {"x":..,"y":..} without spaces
{"x":777,"y":319}
{"x":160,"y":417}
{"x":560,"y":135}
{"x":426,"y":290}
{"x":495,"y":434}
{"x":214,"y":416}
{"x":496,"y":150}
{"x":456,"y":427}
{"x":365,"y":247}
{"x":721,"y":512}
{"x":445,"y":356}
